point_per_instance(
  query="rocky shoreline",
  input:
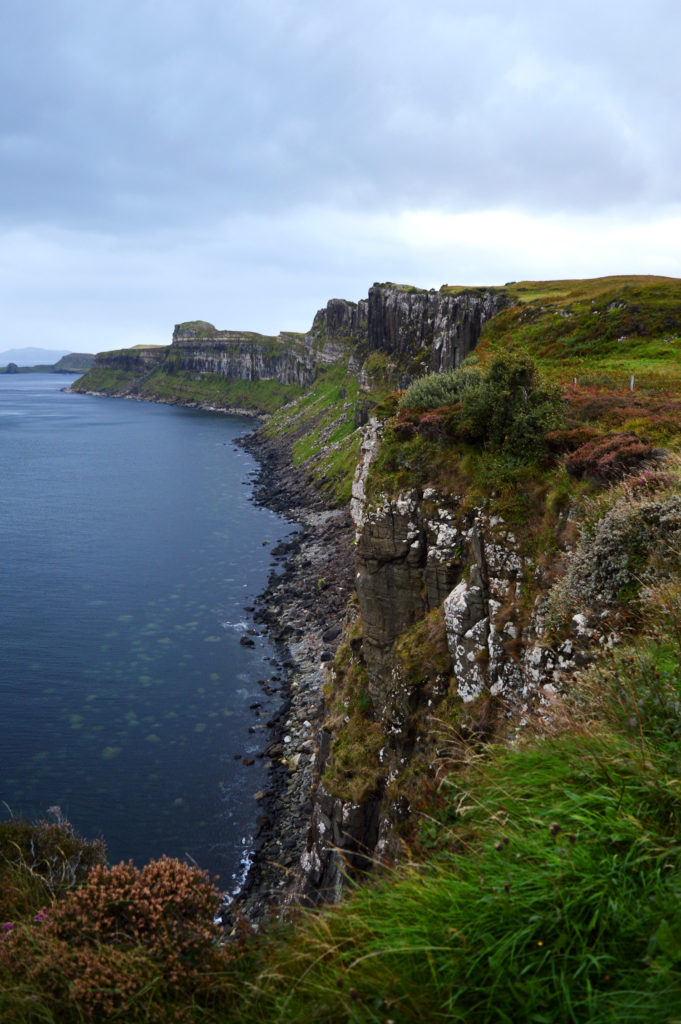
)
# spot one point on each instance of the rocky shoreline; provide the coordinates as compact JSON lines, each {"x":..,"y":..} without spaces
{"x":302,"y":611}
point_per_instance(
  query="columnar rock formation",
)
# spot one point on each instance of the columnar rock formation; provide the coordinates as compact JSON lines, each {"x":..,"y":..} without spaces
{"x":407,"y":321}
{"x":199,"y":348}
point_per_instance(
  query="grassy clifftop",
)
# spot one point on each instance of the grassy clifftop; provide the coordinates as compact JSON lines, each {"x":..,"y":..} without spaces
{"x":610,"y":326}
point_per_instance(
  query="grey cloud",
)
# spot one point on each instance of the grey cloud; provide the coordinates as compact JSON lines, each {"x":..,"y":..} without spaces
{"x":127,"y":115}
{"x":242,"y":160}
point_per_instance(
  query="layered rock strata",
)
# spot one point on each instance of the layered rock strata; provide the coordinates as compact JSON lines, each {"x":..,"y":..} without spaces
{"x":241,"y":355}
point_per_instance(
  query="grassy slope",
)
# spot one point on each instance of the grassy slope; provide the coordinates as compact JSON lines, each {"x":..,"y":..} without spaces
{"x":321,"y":427}
{"x":259,"y":397}
{"x":544,"y":879}
{"x":601,"y":330}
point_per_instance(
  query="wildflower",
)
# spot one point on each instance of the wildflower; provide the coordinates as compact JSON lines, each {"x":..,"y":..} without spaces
{"x":7,"y":926}
{"x":40,"y":916}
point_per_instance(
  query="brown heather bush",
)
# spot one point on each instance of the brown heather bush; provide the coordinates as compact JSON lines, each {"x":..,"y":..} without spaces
{"x":568,"y":440}
{"x":131,"y":944}
{"x":659,"y":411}
{"x":609,"y":458}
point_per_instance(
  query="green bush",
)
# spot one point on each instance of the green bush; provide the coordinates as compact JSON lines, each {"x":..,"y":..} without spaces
{"x":439,"y":389}
{"x":508,"y":407}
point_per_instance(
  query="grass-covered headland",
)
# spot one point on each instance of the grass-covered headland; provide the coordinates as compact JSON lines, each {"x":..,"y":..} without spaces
{"x":540,"y":878}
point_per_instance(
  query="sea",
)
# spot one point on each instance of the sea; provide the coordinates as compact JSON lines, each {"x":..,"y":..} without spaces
{"x":130,"y":553}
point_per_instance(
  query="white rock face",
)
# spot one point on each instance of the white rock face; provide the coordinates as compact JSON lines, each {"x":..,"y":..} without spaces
{"x":371,"y":439}
{"x":479,"y":620}
{"x":467,"y":625}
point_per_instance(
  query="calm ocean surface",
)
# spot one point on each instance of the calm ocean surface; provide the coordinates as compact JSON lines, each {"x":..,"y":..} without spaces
{"x":128,"y":549}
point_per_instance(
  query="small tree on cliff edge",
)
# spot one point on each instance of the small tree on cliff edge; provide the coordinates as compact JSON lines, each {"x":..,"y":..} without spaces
{"x":513,"y":409}
{"x":508,"y":407}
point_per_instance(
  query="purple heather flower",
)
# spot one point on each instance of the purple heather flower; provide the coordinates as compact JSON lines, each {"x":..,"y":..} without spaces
{"x":7,"y":926}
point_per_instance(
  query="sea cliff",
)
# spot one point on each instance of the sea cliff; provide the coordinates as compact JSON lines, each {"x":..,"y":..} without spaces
{"x":446,"y":617}
{"x":410,"y":330}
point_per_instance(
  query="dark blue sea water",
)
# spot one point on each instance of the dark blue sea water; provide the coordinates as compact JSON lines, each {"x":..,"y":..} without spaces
{"x":128,"y":549}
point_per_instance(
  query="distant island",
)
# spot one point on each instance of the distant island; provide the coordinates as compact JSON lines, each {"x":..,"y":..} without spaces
{"x":73,"y":362}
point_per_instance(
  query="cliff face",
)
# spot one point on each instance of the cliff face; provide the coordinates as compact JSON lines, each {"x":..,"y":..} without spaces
{"x":405,"y":322}
{"x":131,"y":360}
{"x":340,"y":322}
{"x":391,"y":337}
{"x":241,"y":355}
{"x":425,"y":562}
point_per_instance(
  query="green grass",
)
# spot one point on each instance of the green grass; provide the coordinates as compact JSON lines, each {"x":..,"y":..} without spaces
{"x":612,"y":326}
{"x":260,"y":397}
{"x":321,"y":428}
{"x":553,"y":897}
{"x":105,"y":379}
{"x":550,"y":894}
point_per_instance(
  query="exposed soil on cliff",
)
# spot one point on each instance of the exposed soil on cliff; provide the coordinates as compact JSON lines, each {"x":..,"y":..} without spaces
{"x":302,"y":611}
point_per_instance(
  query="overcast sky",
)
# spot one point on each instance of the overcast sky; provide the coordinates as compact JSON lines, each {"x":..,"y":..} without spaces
{"x":243,"y":161}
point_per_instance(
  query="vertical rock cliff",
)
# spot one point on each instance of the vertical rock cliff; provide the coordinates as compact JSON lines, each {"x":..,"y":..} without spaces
{"x":445,"y":325}
{"x":198,"y":348}
{"x":393,"y":336}
{"x":443,"y":629}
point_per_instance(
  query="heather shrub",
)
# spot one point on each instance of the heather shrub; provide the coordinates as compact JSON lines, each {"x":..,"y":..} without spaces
{"x":606,"y":459}
{"x":630,"y":543}
{"x":41,"y":861}
{"x":658,"y":415}
{"x":129,"y":945}
{"x":568,"y":440}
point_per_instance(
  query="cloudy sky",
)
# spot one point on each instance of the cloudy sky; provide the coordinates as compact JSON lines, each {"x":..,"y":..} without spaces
{"x":243,"y":161}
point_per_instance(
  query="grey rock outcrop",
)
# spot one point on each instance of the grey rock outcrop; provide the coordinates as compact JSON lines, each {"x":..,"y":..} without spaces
{"x":410,"y":330}
{"x":406,"y":321}
{"x":136,"y":360}
{"x":341,"y":320}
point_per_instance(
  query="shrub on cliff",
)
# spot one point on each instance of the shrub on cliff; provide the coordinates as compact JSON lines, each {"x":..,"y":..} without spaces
{"x":605,"y":459}
{"x":40,"y":862}
{"x":130,"y":945}
{"x":632,"y":541}
{"x":508,"y":407}
{"x":439,"y":389}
